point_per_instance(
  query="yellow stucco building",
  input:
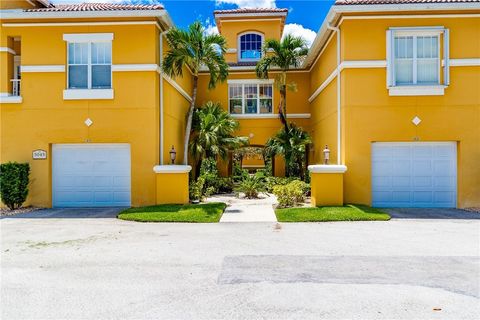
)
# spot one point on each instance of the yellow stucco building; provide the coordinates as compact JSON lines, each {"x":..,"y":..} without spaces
{"x":392,"y":89}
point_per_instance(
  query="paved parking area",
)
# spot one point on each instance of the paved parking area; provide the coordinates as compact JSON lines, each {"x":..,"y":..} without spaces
{"x":432,"y":213}
{"x":102,"y":268}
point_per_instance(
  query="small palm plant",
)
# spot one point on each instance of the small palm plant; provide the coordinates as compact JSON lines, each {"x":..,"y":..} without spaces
{"x":213,"y":133}
{"x":292,"y":145}
{"x":285,"y":54}
{"x":251,"y":186}
{"x":194,"y":49}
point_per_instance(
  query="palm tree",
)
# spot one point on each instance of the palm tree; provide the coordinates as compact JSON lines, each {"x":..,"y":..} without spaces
{"x":213,"y":133}
{"x":194,"y":49}
{"x":285,"y":54}
{"x":292,"y":145}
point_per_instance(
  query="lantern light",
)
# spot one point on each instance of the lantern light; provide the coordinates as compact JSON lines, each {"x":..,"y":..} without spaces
{"x":326,"y":154}
{"x":173,"y":155}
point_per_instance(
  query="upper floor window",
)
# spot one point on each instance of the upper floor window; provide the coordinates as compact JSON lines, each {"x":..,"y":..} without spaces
{"x":89,"y":60}
{"x":250,"y":98}
{"x":417,"y":60}
{"x":250,"y":46}
{"x":414,"y":58}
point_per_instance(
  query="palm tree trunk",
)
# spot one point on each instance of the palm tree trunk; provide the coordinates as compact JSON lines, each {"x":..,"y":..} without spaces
{"x":188,"y":127}
{"x":283,"y":107}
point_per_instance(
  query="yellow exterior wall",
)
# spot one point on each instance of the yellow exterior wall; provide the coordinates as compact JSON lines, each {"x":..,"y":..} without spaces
{"x":175,"y":109}
{"x":327,"y":189}
{"x":15,"y":4}
{"x":230,"y":30}
{"x":44,"y":118}
{"x":372,"y":115}
{"x":262,"y":129}
{"x":172,"y":188}
{"x":324,"y":107}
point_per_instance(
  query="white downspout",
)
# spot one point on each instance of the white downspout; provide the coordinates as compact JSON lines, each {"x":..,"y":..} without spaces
{"x":160,"y":72}
{"x":339,"y":91}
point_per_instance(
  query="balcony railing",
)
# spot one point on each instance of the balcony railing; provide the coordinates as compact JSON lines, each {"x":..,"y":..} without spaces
{"x":15,"y":87}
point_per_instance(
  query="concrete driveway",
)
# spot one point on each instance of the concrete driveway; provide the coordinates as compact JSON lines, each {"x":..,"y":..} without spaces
{"x":94,"y":268}
{"x":432,"y":213}
{"x":69,"y":213}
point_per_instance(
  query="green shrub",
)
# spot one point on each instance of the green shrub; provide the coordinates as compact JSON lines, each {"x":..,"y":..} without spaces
{"x":291,"y":194}
{"x":251,"y":186}
{"x":225,"y":184}
{"x":240,"y":174}
{"x":195,"y":189}
{"x":274,"y":181}
{"x":209,"y":172}
{"x":14,"y":183}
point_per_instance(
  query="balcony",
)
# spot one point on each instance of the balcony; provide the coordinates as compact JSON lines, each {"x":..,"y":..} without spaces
{"x":14,"y":96}
{"x":15,"y":87}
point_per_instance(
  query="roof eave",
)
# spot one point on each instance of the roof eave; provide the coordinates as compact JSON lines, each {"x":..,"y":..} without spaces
{"x":336,"y":11}
{"x":20,"y":14}
{"x":252,"y":14}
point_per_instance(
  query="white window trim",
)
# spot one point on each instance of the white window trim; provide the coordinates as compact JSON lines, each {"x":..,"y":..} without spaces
{"x":239,"y":45}
{"x":244,"y":82}
{"x":87,"y":37}
{"x":415,"y":89}
{"x":89,"y":92}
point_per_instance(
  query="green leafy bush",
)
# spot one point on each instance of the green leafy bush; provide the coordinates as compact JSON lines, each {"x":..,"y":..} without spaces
{"x":195,"y":189}
{"x":14,"y":183}
{"x":225,"y":184}
{"x":251,"y":186}
{"x":274,"y":181}
{"x":239,"y":174}
{"x":209,"y":172}
{"x":291,"y":194}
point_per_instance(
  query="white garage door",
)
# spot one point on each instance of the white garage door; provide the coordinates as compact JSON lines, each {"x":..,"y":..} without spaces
{"x":91,"y":175}
{"x":414,"y":174}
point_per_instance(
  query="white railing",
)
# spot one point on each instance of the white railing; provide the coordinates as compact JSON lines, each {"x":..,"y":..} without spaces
{"x":15,"y":87}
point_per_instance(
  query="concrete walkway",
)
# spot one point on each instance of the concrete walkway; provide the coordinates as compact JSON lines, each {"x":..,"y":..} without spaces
{"x":247,"y":210}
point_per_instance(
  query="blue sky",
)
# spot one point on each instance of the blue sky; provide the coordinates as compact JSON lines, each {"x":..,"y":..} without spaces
{"x":304,"y":17}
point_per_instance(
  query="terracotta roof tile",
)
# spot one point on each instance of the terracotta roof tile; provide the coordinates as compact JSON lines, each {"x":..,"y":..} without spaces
{"x":373,"y":2}
{"x":251,"y":10}
{"x":96,"y":7}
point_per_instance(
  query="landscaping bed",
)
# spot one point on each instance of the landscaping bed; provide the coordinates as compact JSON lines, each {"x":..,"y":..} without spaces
{"x":200,"y":213}
{"x":324,"y":214}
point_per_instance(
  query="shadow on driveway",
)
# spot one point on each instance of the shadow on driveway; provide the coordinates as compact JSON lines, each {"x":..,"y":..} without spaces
{"x":69,"y":213}
{"x":432,"y":213}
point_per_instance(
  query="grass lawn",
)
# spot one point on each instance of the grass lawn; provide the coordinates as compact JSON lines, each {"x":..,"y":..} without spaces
{"x":205,"y":212}
{"x":320,"y":214}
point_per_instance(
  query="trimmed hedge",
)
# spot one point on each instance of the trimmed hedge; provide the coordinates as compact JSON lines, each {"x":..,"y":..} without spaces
{"x":14,"y":183}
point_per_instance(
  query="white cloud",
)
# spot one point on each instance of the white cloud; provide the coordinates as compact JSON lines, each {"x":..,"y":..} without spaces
{"x":298,"y":30}
{"x":210,"y":28}
{"x":250,"y":3}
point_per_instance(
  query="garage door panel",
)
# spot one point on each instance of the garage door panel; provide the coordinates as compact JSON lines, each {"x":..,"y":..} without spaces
{"x":401,"y":152}
{"x":91,"y":175}
{"x":401,"y":183}
{"x":401,"y":196}
{"x":414,"y":174}
{"x":422,"y":151}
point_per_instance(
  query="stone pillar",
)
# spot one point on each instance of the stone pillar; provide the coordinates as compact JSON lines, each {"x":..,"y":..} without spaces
{"x":327,"y":184}
{"x":172,"y":184}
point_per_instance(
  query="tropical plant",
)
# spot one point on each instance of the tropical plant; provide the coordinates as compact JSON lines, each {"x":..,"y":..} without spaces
{"x":213,"y":133}
{"x":291,"y":194}
{"x":14,"y":183}
{"x":194,"y":49}
{"x":251,"y":186}
{"x":292,"y":145}
{"x":285,"y":54}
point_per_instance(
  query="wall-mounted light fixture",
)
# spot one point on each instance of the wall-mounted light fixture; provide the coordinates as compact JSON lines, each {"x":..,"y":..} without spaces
{"x":326,"y":155}
{"x":173,"y":155}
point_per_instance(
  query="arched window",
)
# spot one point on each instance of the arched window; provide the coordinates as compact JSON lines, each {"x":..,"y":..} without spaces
{"x":250,"y":46}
